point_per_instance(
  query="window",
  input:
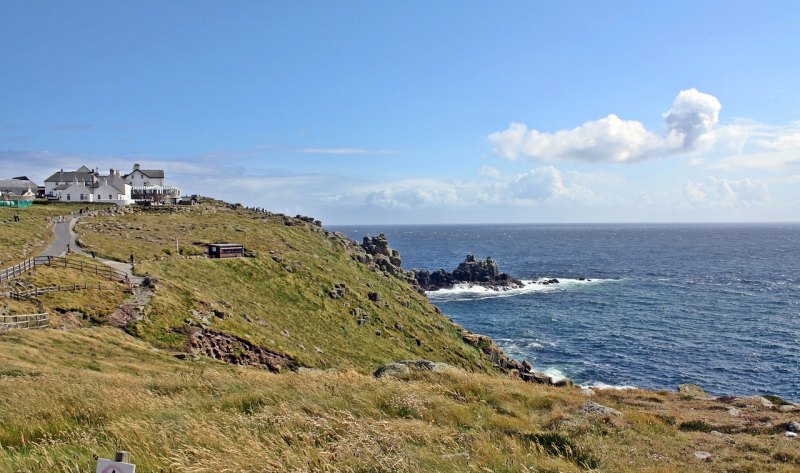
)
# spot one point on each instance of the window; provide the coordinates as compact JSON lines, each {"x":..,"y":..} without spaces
{"x":69,"y":196}
{"x":110,"y":197}
{"x":81,"y":196}
{"x":99,"y":197}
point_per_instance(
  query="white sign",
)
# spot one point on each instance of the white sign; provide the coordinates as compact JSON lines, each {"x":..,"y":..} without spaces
{"x":108,"y":466}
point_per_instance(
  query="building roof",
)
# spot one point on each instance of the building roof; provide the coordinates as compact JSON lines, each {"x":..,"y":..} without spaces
{"x":71,"y":176}
{"x":151,"y":173}
{"x":16,"y":184}
{"x":114,"y":181}
{"x":66,"y":186}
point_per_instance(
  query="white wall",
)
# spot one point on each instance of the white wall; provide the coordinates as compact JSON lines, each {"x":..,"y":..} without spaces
{"x":73,"y":194}
{"x":102,"y":193}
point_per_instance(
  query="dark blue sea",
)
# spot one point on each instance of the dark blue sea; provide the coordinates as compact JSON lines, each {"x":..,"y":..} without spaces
{"x":717,"y":305}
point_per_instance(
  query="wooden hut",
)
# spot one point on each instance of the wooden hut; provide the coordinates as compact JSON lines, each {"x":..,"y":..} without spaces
{"x":225,"y":250}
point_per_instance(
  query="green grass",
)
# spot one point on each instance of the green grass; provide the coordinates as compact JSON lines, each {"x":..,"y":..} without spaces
{"x":91,"y":304}
{"x":26,"y":238}
{"x":284,"y":310}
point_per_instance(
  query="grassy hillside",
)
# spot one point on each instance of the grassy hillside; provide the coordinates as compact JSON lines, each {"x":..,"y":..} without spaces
{"x":84,"y":389}
{"x":71,"y":395}
{"x":281,"y":300}
{"x":26,"y":238}
{"x":96,"y":298}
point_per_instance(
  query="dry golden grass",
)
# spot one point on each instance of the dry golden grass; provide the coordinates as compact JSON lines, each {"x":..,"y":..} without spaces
{"x":71,"y":395}
{"x":98,"y":297}
{"x":26,"y":238}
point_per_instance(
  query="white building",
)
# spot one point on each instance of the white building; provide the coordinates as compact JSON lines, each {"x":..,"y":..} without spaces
{"x":148,"y":186}
{"x":145,"y":177}
{"x":86,"y":185}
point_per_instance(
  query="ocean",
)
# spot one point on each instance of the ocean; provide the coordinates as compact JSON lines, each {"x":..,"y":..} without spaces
{"x":663,"y":304}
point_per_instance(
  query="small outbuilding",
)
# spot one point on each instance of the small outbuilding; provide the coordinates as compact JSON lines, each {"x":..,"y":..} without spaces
{"x":225,"y":250}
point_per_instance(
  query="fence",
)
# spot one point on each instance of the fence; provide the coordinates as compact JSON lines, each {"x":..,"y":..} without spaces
{"x":38,"y":291}
{"x":60,"y":262}
{"x":17,"y":269}
{"x":24,"y":321}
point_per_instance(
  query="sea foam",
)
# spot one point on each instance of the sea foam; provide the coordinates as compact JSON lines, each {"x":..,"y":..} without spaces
{"x":476,"y":291}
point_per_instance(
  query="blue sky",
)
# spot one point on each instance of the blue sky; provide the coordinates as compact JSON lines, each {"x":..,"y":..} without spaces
{"x":419,"y":112}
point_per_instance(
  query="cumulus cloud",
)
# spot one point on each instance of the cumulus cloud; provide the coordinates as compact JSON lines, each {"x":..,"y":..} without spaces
{"x":689,"y":124}
{"x":537,"y":186}
{"x":727,"y":192}
{"x":545,"y":184}
{"x":691,"y":119}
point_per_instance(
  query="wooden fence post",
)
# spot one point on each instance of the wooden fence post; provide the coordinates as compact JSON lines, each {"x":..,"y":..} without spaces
{"x":122,"y":457}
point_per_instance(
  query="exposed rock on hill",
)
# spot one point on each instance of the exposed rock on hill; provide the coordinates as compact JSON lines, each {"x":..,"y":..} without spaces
{"x":236,"y":350}
{"x":403,"y":369}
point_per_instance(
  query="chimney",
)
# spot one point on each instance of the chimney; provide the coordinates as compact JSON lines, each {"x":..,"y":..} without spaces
{"x":136,"y":167}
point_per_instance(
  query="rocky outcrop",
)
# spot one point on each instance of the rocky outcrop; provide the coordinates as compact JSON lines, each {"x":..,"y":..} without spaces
{"x":594,"y":408}
{"x":236,"y":351}
{"x":472,"y":271}
{"x":404,"y":369}
{"x":693,"y":391}
{"x":376,"y":253}
{"x":522,"y":370}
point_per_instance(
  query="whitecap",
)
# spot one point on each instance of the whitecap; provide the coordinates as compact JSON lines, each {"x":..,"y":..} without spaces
{"x":555,"y":374}
{"x":601,"y":385}
{"x":466,"y":291}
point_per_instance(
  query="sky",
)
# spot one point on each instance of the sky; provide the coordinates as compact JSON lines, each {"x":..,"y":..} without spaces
{"x":417,"y":111}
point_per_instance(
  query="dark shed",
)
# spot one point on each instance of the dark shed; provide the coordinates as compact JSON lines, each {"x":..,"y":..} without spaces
{"x":225,"y":250}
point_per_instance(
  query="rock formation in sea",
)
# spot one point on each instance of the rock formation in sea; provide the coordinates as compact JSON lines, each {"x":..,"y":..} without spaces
{"x":472,"y":271}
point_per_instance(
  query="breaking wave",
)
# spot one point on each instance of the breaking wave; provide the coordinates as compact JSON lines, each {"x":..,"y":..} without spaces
{"x":468,"y":291}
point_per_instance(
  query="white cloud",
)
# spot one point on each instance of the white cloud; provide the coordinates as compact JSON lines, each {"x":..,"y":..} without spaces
{"x":546,"y":184}
{"x":691,"y":120}
{"x":724,"y":192}
{"x":489,"y":171}
{"x":543,"y":185}
{"x":690,"y":125}
{"x":342,"y":151}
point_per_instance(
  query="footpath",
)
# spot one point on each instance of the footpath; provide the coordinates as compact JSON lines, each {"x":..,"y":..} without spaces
{"x":66,"y":240}
{"x":133,"y":307}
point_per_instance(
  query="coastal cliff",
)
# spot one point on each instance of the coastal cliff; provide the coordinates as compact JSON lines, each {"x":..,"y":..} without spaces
{"x":319,"y":354}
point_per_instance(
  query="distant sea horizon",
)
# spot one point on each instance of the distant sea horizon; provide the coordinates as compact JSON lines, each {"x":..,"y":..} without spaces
{"x":712,"y":303}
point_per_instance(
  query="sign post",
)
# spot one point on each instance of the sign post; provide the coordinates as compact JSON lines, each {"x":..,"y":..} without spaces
{"x":119,"y":465}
